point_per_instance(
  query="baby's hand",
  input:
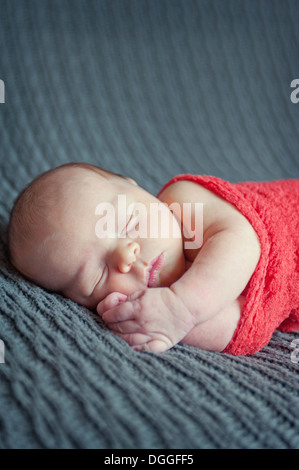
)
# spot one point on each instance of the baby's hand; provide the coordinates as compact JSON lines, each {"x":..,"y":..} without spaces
{"x":153,"y":319}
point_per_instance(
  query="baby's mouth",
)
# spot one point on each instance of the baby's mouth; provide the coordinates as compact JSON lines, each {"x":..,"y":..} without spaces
{"x":152,"y":274}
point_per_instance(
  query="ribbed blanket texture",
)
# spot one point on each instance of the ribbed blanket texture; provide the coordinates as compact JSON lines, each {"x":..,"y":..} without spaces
{"x":149,"y":89}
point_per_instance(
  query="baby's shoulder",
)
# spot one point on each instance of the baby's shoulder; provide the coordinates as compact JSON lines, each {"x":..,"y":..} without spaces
{"x":188,"y":191}
{"x":217,"y":211}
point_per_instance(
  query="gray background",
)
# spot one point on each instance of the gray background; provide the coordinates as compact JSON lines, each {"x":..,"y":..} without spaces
{"x":150,"y":89}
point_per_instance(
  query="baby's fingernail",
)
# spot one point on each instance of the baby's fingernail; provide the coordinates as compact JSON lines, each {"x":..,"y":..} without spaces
{"x":121,"y":298}
{"x":99,"y":312}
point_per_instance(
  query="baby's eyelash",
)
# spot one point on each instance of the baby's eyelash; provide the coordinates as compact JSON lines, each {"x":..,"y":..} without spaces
{"x":102,"y":277}
{"x":132,"y":222}
{"x":105,"y":267}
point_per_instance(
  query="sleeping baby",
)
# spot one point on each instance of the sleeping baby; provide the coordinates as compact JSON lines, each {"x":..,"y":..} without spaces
{"x":205,"y":263}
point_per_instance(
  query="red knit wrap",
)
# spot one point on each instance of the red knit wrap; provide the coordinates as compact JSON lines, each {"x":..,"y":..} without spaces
{"x":272,"y":294}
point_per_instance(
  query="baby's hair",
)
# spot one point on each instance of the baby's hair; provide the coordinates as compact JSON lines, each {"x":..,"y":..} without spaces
{"x":31,"y":206}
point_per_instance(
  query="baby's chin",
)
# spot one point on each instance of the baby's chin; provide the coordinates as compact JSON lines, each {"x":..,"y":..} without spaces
{"x":170,"y":276}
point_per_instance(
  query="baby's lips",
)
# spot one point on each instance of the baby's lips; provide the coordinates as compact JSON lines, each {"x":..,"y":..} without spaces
{"x":111,"y":301}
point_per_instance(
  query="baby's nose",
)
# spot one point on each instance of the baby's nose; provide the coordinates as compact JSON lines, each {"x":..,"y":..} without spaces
{"x":127,"y":256}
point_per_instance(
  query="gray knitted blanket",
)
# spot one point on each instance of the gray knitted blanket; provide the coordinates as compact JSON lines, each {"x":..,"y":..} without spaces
{"x":149,"y":89}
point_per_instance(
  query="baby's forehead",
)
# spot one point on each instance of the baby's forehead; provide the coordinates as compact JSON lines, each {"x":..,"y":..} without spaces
{"x":80,"y":178}
{"x":88,"y":187}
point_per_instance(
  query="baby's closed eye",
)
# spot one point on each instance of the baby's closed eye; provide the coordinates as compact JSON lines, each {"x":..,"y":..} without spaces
{"x":133,"y":223}
{"x":102,"y":278}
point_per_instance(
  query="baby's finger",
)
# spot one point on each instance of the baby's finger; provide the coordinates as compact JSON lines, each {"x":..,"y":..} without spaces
{"x":143,"y":342}
{"x":136,"y":339}
{"x":111,"y":301}
{"x":155,"y":346}
{"x":125,"y":327}
{"x":125,"y":311}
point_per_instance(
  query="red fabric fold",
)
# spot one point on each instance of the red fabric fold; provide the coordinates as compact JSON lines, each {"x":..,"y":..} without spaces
{"x":272,"y":294}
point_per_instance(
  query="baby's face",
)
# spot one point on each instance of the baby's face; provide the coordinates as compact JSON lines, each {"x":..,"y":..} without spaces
{"x":89,"y":253}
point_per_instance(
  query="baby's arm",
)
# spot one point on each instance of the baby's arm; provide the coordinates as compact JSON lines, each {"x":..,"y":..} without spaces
{"x":216,"y":333}
{"x":223,"y":266}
